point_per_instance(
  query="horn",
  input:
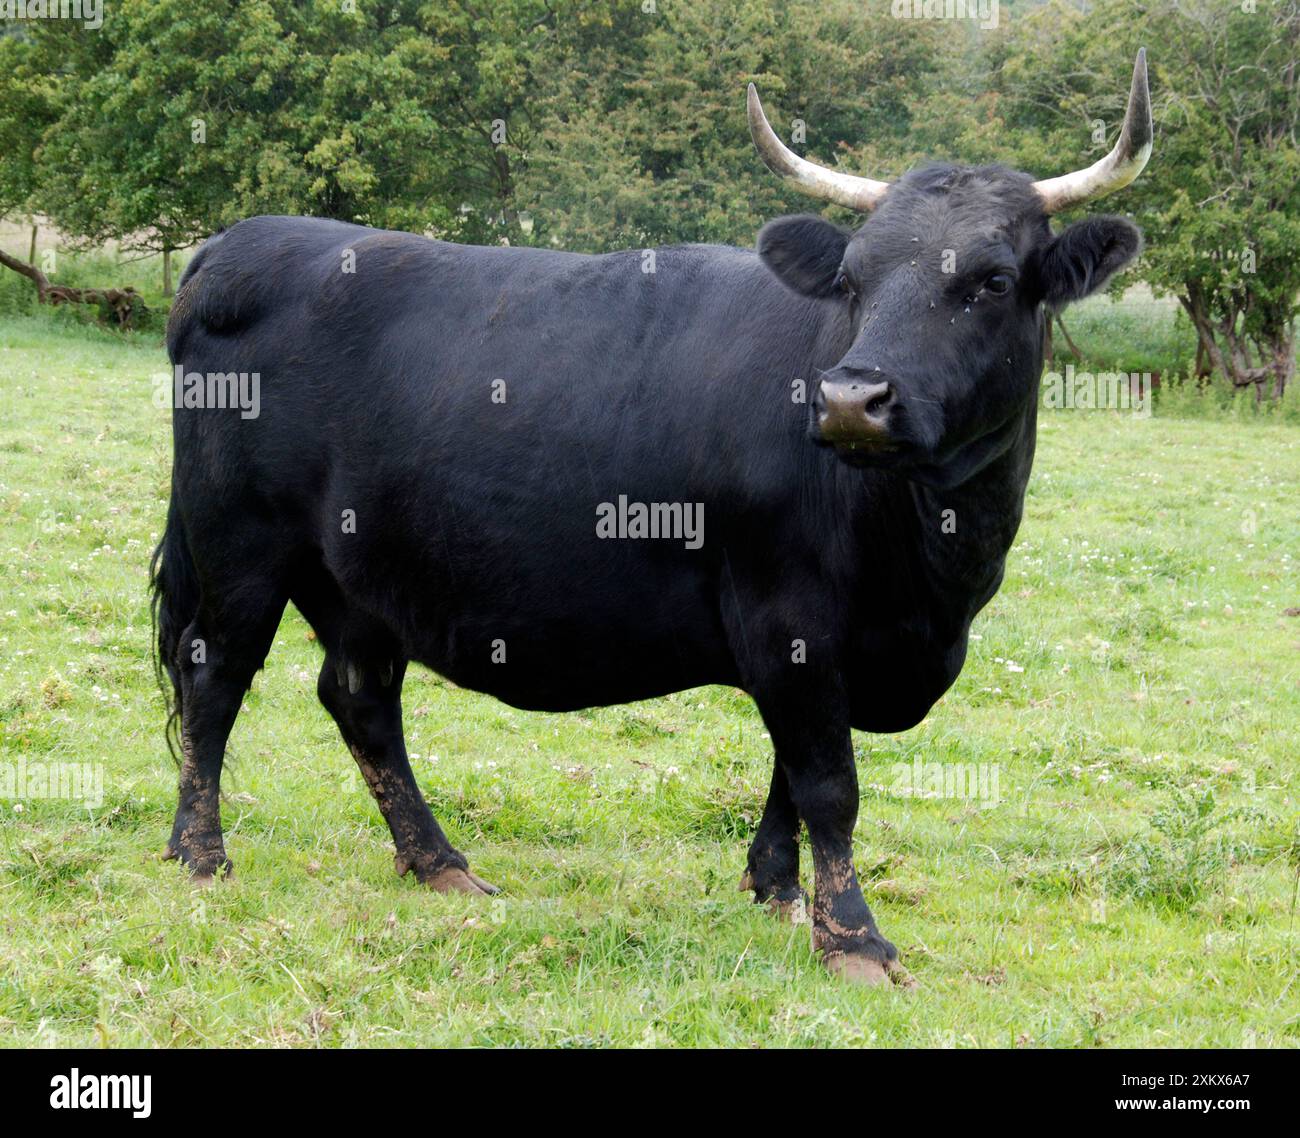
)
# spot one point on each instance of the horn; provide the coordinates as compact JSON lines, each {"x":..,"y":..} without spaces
{"x":1121,"y":165}
{"x":862,"y":194}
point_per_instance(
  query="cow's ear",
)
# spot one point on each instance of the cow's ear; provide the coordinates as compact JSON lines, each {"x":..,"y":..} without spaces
{"x":1084,"y":256}
{"x":804,"y":251}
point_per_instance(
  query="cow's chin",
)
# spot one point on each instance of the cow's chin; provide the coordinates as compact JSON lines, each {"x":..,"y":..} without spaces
{"x":899,"y":449}
{"x":908,"y":460}
{"x":871,"y":454}
{"x":868,"y":458}
{"x":942,"y":467}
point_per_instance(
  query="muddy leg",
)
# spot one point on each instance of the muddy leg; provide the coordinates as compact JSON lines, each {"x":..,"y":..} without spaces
{"x":772,"y":871}
{"x":364,"y":697}
{"x":812,"y":740}
{"x":218,"y":656}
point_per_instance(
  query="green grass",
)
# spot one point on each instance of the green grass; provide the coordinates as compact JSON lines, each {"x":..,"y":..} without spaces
{"x":1138,"y":333}
{"x":1136,"y":884}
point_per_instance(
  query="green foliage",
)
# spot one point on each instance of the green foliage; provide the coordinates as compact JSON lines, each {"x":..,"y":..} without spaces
{"x":1184,"y":854}
{"x":1189,"y":396}
{"x":607,"y":124}
{"x":36,"y":58}
{"x":1219,"y":202}
{"x":642,"y":136}
{"x":199,"y":115}
{"x":177,"y":119}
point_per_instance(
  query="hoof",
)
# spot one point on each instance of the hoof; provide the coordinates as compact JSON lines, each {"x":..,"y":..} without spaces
{"x":204,"y":868}
{"x":900,"y":976}
{"x":788,"y":904}
{"x":453,"y":880}
{"x":794,"y":911}
{"x":856,"y":968}
{"x":486,"y":886}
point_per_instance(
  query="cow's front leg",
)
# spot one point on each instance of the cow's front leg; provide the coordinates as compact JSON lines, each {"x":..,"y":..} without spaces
{"x":813,"y":746}
{"x":772,"y":871}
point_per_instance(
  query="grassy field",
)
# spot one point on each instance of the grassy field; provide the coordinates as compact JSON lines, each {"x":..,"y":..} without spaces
{"x":1135,"y":687}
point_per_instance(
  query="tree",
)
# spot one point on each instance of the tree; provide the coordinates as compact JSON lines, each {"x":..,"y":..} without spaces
{"x":1220,"y":200}
{"x":201,"y":114}
{"x":1225,"y":241}
{"x":641,"y":136}
{"x":182,"y":118}
{"x":25,"y":93}
{"x":34,"y":57}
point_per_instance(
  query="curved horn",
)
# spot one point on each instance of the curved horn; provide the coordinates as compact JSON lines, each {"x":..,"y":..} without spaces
{"x":815,"y":181}
{"x":1121,"y":165}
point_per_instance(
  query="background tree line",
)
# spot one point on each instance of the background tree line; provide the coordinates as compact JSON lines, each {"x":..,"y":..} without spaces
{"x":598,"y":125}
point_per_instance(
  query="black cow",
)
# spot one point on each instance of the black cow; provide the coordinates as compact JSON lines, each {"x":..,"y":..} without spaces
{"x":447,"y":444}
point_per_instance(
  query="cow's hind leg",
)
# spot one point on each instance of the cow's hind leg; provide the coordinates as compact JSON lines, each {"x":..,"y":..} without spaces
{"x":360,"y":685}
{"x":218,"y":655}
{"x":772,"y":870}
{"x":364,"y":697}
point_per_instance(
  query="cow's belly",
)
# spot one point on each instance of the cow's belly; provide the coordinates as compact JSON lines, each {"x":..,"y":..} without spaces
{"x":567,"y":664}
{"x":558,"y":626}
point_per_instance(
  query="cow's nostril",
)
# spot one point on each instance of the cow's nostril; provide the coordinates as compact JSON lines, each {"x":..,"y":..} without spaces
{"x":879,"y":400}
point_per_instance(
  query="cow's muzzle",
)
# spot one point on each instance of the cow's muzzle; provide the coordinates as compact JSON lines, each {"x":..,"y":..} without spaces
{"x":853,"y":414}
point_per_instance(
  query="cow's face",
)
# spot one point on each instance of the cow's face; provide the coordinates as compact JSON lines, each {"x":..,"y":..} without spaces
{"x":942,"y":292}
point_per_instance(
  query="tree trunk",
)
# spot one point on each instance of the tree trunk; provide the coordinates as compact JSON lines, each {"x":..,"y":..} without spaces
{"x":167,"y":271}
{"x":1283,"y":363}
{"x":1202,"y":361}
{"x":1229,"y":351}
{"x":1078,"y":355}
{"x":123,"y":304}
{"x":31,"y":256}
{"x":30,"y":271}
{"x":1206,"y":348}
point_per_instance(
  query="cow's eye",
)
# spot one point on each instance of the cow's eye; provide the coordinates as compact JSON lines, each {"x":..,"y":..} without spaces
{"x":999,"y":284}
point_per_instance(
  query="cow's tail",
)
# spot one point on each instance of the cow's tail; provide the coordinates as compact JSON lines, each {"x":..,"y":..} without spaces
{"x":175,"y":588}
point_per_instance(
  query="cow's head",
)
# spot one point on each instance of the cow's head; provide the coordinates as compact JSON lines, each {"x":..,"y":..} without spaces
{"x":943,"y":290}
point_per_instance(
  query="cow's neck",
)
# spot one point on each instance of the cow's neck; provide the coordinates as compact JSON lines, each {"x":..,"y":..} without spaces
{"x":966,"y":531}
